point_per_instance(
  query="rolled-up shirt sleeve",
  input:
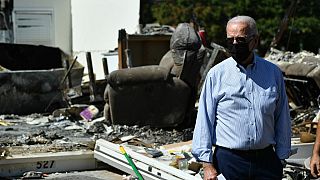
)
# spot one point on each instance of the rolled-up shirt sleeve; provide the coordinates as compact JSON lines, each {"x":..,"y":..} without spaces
{"x":282,"y":124}
{"x":203,"y":133}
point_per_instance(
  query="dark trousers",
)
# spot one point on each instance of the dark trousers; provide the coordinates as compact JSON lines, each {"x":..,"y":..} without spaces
{"x":248,"y":165}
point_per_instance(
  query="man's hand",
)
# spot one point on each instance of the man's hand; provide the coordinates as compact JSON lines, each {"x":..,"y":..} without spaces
{"x":210,"y":173}
{"x":315,"y":165}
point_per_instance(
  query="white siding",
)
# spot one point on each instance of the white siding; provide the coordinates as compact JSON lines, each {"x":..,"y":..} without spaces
{"x":95,"y":25}
{"x":34,"y":27}
{"x":61,"y":19}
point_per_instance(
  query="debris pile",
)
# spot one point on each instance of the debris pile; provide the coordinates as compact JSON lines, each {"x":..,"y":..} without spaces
{"x":149,"y":137}
{"x":64,"y":131}
{"x":154,"y":29}
{"x":288,"y":56}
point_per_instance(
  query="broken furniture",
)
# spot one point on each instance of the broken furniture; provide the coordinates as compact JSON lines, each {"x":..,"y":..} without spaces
{"x":31,"y":78}
{"x":158,"y":95}
{"x":141,"y":49}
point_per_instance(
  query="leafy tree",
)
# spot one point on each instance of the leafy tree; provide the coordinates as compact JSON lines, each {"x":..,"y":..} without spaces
{"x":212,"y":15}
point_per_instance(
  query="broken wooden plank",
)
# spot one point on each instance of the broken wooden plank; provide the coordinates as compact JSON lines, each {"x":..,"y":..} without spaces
{"x":47,"y":163}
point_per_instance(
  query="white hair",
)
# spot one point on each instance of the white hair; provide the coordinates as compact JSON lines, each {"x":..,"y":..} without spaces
{"x":248,"y":20}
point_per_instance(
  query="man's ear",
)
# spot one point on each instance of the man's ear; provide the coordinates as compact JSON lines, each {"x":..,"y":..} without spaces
{"x":256,"y":41}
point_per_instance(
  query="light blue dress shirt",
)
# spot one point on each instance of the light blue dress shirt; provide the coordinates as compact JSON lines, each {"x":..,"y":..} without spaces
{"x":242,"y":108}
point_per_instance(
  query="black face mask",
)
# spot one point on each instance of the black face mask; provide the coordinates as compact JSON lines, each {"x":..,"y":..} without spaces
{"x":239,"y":52}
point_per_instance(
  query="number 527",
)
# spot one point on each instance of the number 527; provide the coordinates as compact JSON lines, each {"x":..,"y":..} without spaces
{"x":44,"y":164}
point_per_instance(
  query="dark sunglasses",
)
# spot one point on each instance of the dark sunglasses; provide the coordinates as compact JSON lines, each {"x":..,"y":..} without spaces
{"x":239,"y":40}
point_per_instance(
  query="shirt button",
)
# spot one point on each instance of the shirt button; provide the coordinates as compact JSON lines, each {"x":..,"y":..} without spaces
{"x":250,"y":107}
{"x":252,"y":123}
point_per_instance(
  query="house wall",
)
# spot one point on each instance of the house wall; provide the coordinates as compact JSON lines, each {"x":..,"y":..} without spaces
{"x":62,"y":19}
{"x":89,"y":25}
{"x":95,"y":25}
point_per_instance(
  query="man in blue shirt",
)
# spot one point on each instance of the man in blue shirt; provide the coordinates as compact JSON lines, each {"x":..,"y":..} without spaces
{"x":243,"y":112}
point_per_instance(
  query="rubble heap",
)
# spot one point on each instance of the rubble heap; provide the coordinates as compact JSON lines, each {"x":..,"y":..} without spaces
{"x":49,"y":133}
{"x":288,"y":56}
{"x":156,"y":29}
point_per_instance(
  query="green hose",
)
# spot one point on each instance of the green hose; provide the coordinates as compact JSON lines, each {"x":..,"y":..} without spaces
{"x":131,"y":163}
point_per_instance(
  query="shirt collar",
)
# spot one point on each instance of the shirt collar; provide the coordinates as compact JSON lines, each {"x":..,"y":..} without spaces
{"x":252,"y":65}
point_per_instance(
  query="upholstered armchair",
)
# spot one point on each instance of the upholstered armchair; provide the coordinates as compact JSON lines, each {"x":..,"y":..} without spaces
{"x":161,"y":95}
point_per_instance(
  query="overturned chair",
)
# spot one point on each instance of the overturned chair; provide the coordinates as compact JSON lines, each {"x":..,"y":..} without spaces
{"x":161,"y":95}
